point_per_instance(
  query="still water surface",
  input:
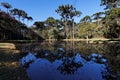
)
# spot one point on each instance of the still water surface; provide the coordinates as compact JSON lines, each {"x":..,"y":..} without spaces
{"x":72,"y":61}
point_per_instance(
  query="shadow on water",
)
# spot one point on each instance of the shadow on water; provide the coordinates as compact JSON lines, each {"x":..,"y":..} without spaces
{"x":73,"y":61}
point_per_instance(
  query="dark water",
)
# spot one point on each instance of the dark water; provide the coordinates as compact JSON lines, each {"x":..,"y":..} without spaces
{"x":72,"y":61}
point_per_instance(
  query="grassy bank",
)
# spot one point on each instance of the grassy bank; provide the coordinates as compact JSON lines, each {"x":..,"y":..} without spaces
{"x":10,"y":69}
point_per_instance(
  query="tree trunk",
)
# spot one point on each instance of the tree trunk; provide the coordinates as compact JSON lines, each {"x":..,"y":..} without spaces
{"x":18,"y":18}
{"x":73,"y":28}
{"x":87,"y":38}
{"x":97,"y":21}
{"x":65,"y":29}
{"x":119,"y":33}
{"x":4,"y":36}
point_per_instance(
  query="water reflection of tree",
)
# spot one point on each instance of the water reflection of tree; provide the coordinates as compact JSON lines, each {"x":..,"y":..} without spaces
{"x":110,"y":50}
{"x":69,"y":66}
{"x":114,"y":57}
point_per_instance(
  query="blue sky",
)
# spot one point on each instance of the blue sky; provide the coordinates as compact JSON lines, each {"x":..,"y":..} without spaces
{"x":40,"y":10}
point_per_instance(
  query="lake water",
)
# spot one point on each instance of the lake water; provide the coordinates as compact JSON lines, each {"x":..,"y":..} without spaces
{"x":72,"y":61}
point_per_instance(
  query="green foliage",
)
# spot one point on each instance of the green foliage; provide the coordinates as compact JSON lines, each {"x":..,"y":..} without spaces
{"x":110,"y":3}
{"x":50,"y":22}
{"x":67,"y":12}
{"x":100,"y":24}
{"x":113,"y":13}
{"x":90,"y":30}
{"x":49,"y":29}
{"x":13,"y":29}
{"x":39,"y":25}
{"x":19,"y":13}
{"x":29,"y":18}
{"x":98,"y":17}
{"x":86,"y":19}
{"x":111,"y":23}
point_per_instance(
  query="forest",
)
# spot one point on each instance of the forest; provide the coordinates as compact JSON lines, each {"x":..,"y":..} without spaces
{"x":100,"y":25}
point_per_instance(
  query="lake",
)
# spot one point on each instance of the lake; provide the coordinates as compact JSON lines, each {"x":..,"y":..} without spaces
{"x":71,"y":60}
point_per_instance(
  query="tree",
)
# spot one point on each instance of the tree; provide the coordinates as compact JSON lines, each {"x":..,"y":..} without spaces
{"x":97,"y":16}
{"x":86,"y":19}
{"x":29,"y":18}
{"x":73,"y":14}
{"x":112,"y":18}
{"x":50,"y":22}
{"x":87,"y":30}
{"x":39,"y":25}
{"x":67,"y":12}
{"x":24,"y":15}
{"x":59,"y":24}
{"x":112,"y":23}
{"x":19,"y":13}
{"x":6,"y":5}
{"x":110,"y":3}
{"x":14,"y":12}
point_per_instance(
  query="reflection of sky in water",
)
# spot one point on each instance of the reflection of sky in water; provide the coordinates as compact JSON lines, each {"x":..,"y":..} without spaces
{"x":42,"y":69}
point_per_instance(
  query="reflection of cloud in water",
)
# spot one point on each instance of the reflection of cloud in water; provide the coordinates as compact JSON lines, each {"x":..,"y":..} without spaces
{"x":25,"y":61}
{"x":42,"y":69}
{"x":97,"y":58}
{"x":91,"y":71}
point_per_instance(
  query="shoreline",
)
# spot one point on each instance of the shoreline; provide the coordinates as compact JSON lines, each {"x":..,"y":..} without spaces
{"x":86,"y":40}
